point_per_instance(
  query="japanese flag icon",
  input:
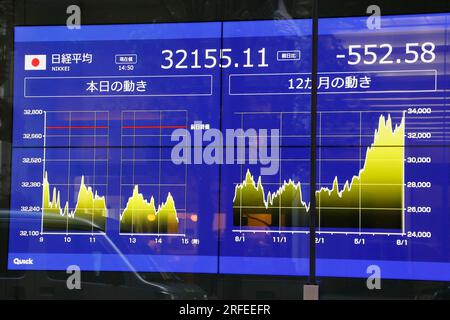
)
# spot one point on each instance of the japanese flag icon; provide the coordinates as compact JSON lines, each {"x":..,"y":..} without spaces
{"x":35,"y":62}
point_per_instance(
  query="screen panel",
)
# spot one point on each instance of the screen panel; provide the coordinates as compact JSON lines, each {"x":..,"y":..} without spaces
{"x":382,"y":162}
{"x":93,"y":181}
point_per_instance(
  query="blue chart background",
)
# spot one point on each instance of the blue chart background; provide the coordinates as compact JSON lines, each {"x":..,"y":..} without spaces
{"x":254,"y":98}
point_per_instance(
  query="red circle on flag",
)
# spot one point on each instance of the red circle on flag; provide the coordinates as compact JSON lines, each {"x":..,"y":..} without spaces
{"x":35,"y":62}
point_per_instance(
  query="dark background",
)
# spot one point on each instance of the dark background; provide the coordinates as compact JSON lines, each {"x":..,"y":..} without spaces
{"x":38,"y":284}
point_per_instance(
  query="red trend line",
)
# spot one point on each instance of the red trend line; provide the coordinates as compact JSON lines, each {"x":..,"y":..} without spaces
{"x":77,"y":127}
{"x":154,"y":127}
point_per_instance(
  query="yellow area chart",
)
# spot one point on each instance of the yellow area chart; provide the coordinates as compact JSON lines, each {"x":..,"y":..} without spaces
{"x":142,"y":216}
{"x":374,"y":198}
{"x":89,"y":214}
